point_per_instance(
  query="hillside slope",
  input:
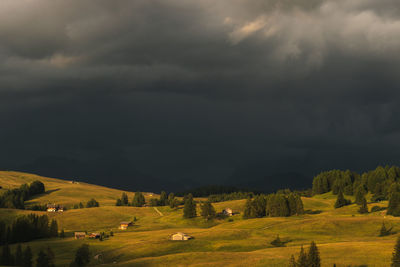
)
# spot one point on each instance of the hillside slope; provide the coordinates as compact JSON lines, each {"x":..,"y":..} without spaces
{"x":62,"y":192}
{"x":343,"y":236}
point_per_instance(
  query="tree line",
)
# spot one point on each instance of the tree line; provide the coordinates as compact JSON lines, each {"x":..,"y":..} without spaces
{"x":273,"y":205}
{"x":21,"y":257}
{"x":26,"y":228}
{"x":15,"y":198}
{"x":381,"y":182}
{"x":139,"y":200}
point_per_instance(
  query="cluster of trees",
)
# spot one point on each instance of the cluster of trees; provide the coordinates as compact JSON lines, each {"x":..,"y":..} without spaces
{"x":381,"y":182}
{"x":24,"y":258}
{"x":273,"y":205}
{"x":15,"y":198}
{"x":165,"y":200}
{"x":92,"y":203}
{"x":27,"y":228}
{"x":20,"y":258}
{"x":307,"y":259}
{"x":137,"y":201}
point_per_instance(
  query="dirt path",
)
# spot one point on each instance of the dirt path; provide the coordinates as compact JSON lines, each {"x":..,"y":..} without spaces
{"x":159,"y":212}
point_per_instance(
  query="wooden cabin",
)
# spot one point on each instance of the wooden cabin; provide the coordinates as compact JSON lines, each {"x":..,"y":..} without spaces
{"x":124,"y":225}
{"x":55,"y":208}
{"x":51,"y":208}
{"x":80,"y":235}
{"x":227,"y":212}
{"x":180,"y":236}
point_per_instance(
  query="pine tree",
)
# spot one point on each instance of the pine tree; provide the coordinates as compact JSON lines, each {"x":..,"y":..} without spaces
{"x":313,"y":256}
{"x":42,"y":260}
{"x":394,"y":204}
{"x":82,"y":256}
{"x":124,"y":199}
{"x":27,"y":257}
{"x":384,"y":231}
{"x":302,"y":261}
{"x":247,"y":208}
{"x":292,"y":262}
{"x":163,"y":198}
{"x":118,"y":202}
{"x":360,"y":193}
{"x":18,"y":256}
{"x":172,"y":201}
{"x":292,"y":204}
{"x":189,"y":209}
{"x":277,"y":242}
{"x":53,"y":231}
{"x":341,"y":201}
{"x":396,"y":254}
{"x":207,"y":211}
{"x":299,"y":205}
{"x":364,"y":206}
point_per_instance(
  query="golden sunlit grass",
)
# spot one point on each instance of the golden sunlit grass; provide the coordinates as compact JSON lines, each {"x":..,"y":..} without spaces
{"x":343,"y":236}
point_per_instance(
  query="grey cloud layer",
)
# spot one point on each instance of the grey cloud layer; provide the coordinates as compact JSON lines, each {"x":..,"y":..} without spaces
{"x":223,"y":82}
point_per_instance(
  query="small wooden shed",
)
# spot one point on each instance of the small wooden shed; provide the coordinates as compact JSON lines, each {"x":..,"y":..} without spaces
{"x":124,"y":225}
{"x":180,"y":236}
{"x":80,"y":235}
{"x":227,"y":212}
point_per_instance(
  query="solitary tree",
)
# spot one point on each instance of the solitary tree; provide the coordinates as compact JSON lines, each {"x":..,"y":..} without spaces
{"x":313,"y":256}
{"x":124,"y":199}
{"x":394,"y":204}
{"x":82,"y":256}
{"x":163,"y":198}
{"x":207,"y":211}
{"x":341,"y":201}
{"x":172,"y":202}
{"x":360,"y":193}
{"x":396,"y":254}
{"x":189,"y":210}
{"x":247,"y":208}
{"x":384,"y":231}
{"x":364,"y":207}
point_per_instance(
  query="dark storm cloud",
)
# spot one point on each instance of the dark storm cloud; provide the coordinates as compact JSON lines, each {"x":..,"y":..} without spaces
{"x":195,"y":91}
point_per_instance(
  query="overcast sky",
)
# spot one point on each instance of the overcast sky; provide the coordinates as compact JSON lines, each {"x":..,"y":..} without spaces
{"x":196,"y":91}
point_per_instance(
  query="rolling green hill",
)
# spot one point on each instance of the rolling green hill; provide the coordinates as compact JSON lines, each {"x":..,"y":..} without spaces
{"x":343,"y":236}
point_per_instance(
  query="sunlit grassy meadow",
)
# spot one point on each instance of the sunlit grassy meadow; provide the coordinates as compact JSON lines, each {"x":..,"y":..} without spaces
{"x":343,"y":236}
